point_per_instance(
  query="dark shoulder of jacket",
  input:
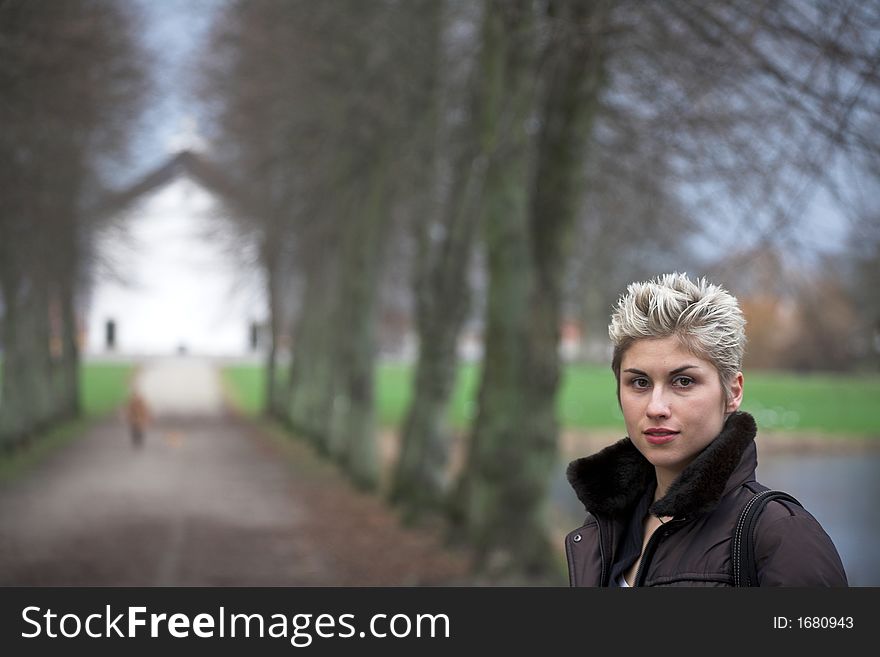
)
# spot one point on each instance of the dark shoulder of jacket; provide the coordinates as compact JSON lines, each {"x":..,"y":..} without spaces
{"x":793,"y":549}
{"x":776,"y":509}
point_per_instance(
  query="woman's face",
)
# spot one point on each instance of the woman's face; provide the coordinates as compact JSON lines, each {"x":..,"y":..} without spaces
{"x":673,"y":403}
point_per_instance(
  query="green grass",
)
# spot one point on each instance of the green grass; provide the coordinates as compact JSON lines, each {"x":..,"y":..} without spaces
{"x":845,"y":404}
{"x":103,"y":387}
{"x":832,"y":404}
{"x":246,"y":386}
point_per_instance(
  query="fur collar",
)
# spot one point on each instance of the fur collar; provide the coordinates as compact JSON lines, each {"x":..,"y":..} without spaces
{"x":611,"y":481}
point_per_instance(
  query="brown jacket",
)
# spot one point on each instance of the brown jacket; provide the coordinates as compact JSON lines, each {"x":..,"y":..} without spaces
{"x":693,"y":549}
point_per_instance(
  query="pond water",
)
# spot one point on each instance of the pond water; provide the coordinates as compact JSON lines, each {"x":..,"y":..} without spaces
{"x":841,"y":490}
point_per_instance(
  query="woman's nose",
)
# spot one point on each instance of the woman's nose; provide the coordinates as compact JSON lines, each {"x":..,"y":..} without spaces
{"x":658,"y":405}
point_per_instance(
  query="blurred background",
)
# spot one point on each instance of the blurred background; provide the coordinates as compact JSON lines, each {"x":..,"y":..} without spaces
{"x":359,"y":259}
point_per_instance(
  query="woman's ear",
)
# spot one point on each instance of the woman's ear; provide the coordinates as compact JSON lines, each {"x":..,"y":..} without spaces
{"x":736,"y":393}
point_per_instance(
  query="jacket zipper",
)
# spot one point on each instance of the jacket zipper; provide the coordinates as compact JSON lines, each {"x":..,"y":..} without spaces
{"x":651,"y":548}
{"x":647,"y":555}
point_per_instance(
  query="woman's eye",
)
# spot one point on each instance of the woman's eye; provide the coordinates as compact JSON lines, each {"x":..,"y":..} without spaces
{"x":683,"y":381}
{"x":639,"y":382}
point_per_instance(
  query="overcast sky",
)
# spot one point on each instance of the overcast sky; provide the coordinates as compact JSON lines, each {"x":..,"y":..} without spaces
{"x":173,"y":31}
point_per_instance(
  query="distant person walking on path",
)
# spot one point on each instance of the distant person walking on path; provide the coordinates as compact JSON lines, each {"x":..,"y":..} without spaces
{"x":138,"y":416}
{"x":664,"y":503}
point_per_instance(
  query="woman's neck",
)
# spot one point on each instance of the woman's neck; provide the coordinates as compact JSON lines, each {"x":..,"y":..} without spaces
{"x":664,"y":481}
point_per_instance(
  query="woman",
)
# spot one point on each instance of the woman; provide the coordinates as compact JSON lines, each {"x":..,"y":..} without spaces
{"x":663,"y":503}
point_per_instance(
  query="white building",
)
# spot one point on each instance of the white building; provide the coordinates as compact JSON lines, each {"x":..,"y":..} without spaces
{"x":171,"y":279}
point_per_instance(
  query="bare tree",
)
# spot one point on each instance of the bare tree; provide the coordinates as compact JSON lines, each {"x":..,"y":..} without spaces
{"x":71,"y":81}
{"x":321,"y":116}
{"x":530,"y":211}
{"x":450,"y":175}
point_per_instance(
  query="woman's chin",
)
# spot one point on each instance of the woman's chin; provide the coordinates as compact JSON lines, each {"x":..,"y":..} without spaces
{"x":665,"y":459}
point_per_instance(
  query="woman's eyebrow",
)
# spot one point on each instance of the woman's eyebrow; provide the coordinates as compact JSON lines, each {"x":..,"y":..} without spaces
{"x":677,"y":370}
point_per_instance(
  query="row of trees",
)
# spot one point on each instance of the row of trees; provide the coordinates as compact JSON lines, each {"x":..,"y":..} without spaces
{"x":71,"y":79}
{"x":363,"y":133}
{"x":351,"y":124}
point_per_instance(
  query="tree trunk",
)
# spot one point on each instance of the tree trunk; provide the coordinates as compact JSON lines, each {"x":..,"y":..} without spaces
{"x":353,"y":431}
{"x":70,"y":358}
{"x":493,"y":452}
{"x":420,"y":477}
{"x":65,"y":267}
{"x":313,"y":365}
{"x":441,"y":291}
{"x":271,"y":260}
{"x":442,"y":301}
{"x":513,"y":449}
{"x":39,"y":360}
{"x":570,"y":103}
{"x":27,"y":381}
{"x":12,"y":411}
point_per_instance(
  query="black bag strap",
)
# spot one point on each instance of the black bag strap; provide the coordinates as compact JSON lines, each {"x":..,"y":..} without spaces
{"x":742,"y":547}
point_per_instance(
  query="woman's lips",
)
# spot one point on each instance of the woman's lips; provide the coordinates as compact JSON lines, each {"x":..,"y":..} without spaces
{"x":660,"y":437}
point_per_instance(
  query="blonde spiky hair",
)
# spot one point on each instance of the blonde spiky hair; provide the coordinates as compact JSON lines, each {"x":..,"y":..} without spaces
{"x":705,"y":317}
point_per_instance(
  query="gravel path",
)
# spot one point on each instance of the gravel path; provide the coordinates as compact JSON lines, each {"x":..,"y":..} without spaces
{"x":209,"y":500}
